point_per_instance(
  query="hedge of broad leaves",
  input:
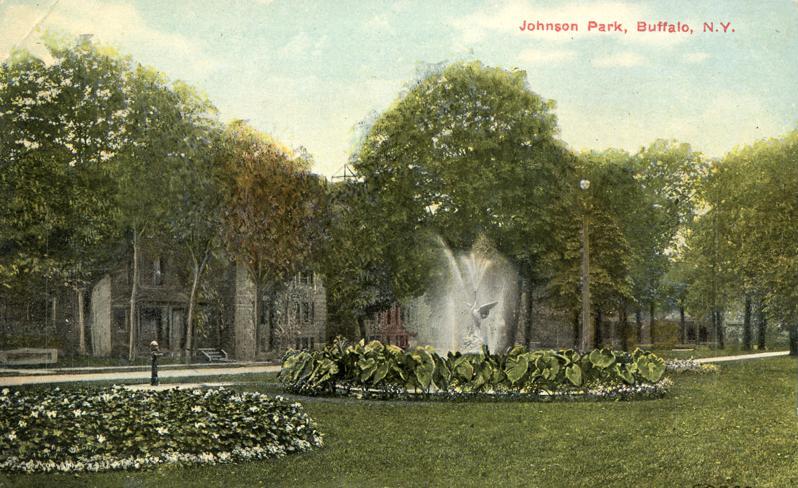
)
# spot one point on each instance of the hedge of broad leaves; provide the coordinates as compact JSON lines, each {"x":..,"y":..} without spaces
{"x":115,"y":428}
{"x":389,"y":370}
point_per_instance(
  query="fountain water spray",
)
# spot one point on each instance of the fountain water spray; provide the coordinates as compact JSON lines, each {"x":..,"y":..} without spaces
{"x":466,"y":309}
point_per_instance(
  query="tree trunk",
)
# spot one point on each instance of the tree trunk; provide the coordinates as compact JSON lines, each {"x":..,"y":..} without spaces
{"x":651,"y":329}
{"x":134,"y":291}
{"x":597,"y":335}
{"x":697,"y":331}
{"x":794,"y":340}
{"x":81,"y":322}
{"x":511,"y":313}
{"x":762,"y":323}
{"x":272,"y":318}
{"x":518,"y":316}
{"x":256,"y":313}
{"x":682,"y":323}
{"x":624,"y":326}
{"x":747,"y":332}
{"x":529,"y":317}
{"x":197,"y":271}
{"x":361,"y":325}
{"x":577,"y":329}
{"x":54,"y":311}
{"x":720,"y":331}
{"x":192,"y":299}
{"x":639,"y":325}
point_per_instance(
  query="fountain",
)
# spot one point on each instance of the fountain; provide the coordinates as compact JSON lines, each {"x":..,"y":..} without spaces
{"x":467,"y":307}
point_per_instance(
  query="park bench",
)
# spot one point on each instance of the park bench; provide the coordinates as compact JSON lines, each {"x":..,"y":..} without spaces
{"x":213,"y":355}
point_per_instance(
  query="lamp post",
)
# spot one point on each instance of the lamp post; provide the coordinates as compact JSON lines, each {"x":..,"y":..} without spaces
{"x":587,"y":336}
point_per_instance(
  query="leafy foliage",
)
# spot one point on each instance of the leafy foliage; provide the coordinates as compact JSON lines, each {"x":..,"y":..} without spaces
{"x":99,"y":430}
{"x":468,"y":151}
{"x":744,"y":242}
{"x":388,"y":370}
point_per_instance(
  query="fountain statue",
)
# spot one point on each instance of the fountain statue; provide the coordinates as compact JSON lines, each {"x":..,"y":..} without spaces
{"x":478,"y":334}
{"x":466,"y":308}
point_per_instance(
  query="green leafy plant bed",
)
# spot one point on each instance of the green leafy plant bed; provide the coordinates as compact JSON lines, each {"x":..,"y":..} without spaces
{"x":386,"y":371}
{"x":115,"y":428}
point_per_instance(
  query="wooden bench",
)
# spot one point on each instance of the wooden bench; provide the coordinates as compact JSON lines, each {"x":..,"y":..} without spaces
{"x":215,"y":355}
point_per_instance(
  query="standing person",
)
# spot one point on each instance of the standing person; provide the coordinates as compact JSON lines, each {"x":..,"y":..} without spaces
{"x":155,"y":353}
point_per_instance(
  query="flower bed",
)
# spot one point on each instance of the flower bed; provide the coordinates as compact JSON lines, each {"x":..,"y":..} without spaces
{"x":115,"y":428}
{"x":385,"y":371}
{"x":679,"y":366}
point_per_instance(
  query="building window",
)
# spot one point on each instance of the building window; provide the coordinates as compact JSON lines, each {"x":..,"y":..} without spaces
{"x":306,"y":278}
{"x":305,"y":342}
{"x":306,"y":312}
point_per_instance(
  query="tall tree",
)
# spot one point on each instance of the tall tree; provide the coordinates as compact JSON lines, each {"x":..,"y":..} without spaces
{"x":194,"y":214}
{"x":357,"y":278}
{"x":271,"y":209}
{"x":68,"y":122}
{"x":605,"y":205}
{"x":468,"y":150}
{"x":669,"y":174}
{"x":161,"y":138}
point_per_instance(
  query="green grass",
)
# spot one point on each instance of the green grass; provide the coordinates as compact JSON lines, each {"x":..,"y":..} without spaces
{"x":735,"y":428}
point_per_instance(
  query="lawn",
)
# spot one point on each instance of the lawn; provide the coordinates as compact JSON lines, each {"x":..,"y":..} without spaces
{"x":736,"y":428}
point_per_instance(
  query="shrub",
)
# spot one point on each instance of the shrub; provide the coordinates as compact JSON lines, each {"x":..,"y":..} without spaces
{"x":115,"y":428}
{"x":389,"y":371}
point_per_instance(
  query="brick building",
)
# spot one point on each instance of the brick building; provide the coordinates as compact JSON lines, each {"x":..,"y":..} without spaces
{"x":388,"y":327}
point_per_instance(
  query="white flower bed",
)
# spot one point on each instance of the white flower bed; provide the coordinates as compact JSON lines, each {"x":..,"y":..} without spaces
{"x":115,"y":429}
{"x":689,"y":365}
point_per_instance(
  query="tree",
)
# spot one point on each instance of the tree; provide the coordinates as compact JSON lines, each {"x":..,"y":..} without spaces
{"x":194,"y":212}
{"x":66,"y":126}
{"x":165,"y":131}
{"x":271,"y":208}
{"x":357,"y":279}
{"x":762,"y":215}
{"x":606,"y":205}
{"x":469,"y":150}
{"x":669,"y":174}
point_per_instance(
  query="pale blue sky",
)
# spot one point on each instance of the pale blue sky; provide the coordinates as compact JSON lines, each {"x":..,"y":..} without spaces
{"x":308,"y":71}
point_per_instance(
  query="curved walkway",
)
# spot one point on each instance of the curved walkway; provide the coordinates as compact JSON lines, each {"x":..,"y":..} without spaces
{"x":163,"y":374}
{"x":759,"y":355}
{"x":134,"y":375}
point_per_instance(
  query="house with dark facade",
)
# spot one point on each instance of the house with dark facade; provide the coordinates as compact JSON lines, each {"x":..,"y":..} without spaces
{"x":298,"y":318}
